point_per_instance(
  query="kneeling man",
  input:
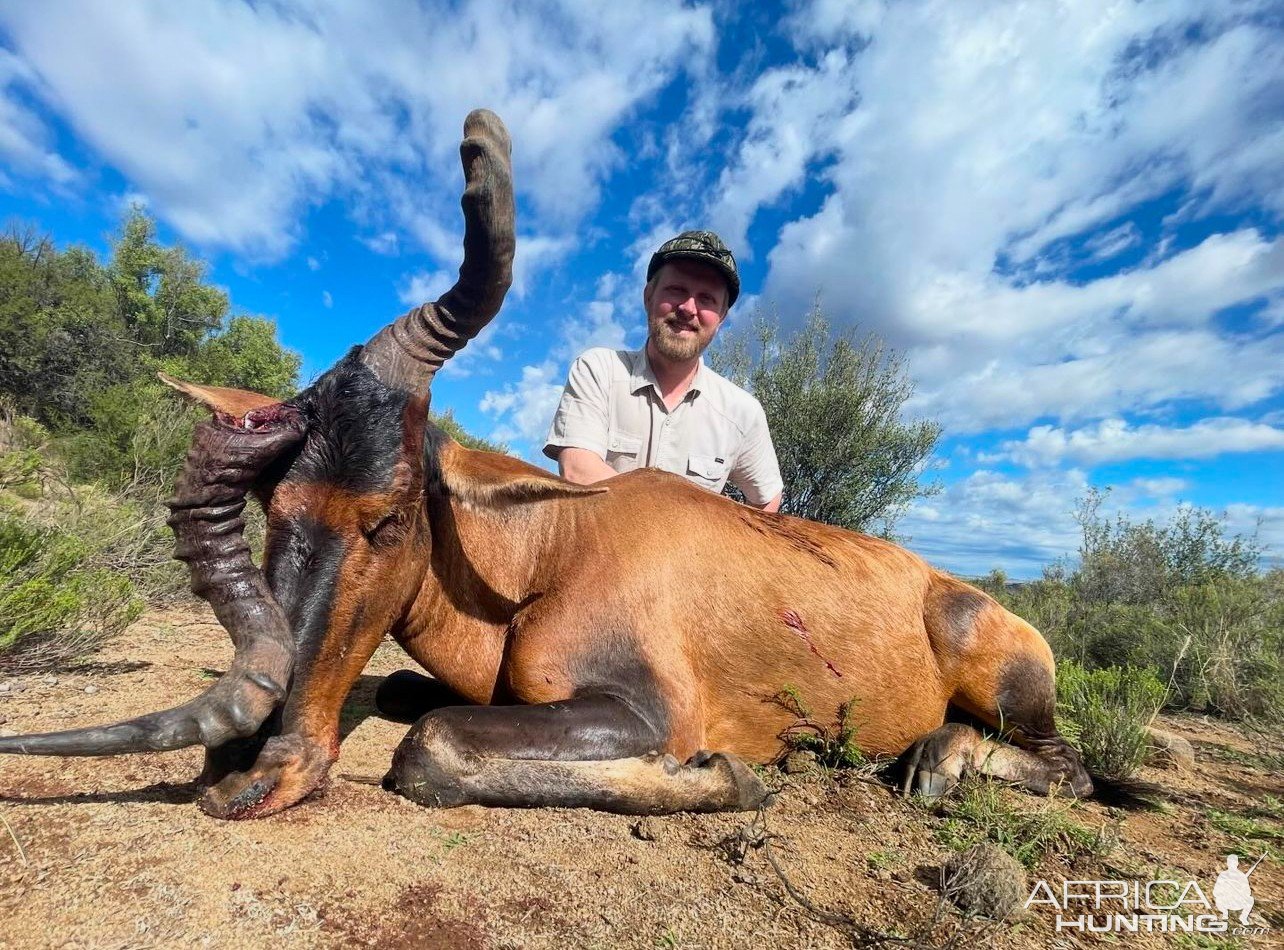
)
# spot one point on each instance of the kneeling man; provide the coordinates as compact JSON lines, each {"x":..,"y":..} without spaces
{"x":660,"y":406}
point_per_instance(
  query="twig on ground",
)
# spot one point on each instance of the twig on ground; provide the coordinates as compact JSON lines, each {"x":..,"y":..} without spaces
{"x":754,"y":836}
{"x":17,"y":844}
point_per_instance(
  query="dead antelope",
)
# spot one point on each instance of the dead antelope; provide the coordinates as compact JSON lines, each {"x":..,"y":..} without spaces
{"x":608,"y":634}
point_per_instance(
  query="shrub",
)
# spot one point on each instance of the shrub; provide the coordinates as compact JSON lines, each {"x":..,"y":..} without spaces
{"x":834,"y":745}
{"x":1183,"y":598}
{"x":55,"y":606}
{"x":1104,"y":714}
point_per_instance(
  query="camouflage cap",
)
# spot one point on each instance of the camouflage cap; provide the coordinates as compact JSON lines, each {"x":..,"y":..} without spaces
{"x":704,"y":247}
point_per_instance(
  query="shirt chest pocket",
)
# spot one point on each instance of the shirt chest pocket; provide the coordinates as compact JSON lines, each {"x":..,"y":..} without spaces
{"x":707,"y":470}
{"x":623,"y":451}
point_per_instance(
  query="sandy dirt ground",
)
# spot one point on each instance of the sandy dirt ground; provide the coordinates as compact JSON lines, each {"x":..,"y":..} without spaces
{"x":113,"y":853}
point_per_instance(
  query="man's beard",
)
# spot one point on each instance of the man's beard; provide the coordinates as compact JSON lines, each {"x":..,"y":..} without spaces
{"x":676,"y":347}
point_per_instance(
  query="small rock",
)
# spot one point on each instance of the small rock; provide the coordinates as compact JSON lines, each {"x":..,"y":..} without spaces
{"x":644,"y":829}
{"x":798,"y":762}
{"x":6,"y":687}
{"x":91,"y":690}
{"x":985,"y":881}
{"x":6,"y":733}
{"x":882,"y":874}
{"x":1167,"y":750}
{"x":51,"y":681}
{"x":741,"y":876}
{"x":902,"y":876}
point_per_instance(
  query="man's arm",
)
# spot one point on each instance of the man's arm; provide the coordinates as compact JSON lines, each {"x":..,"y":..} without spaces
{"x":578,"y":435}
{"x":756,"y":471}
{"x":772,"y":506}
{"x":582,"y":466}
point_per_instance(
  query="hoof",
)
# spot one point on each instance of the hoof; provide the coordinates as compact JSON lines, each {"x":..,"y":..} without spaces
{"x":742,"y":789}
{"x":426,"y":769}
{"x":288,"y":770}
{"x":934,"y":764}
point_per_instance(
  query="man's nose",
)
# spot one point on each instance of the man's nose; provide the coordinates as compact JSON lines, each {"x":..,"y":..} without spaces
{"x":689,"y":307}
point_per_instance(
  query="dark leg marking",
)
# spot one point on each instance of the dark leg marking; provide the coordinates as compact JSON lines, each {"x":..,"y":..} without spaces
{"x":956,"y":615}
{"x":405,"y":695}
{"x":1027,"y":701}
{"x":592,"y":751}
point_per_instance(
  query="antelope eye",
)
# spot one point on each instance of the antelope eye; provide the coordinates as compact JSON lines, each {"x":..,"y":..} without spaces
{"x":385,"y":530}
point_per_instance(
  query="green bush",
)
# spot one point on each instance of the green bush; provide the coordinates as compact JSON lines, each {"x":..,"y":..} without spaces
{"x":1104,"y":714}
{"x":55,"y":605}
{"x":1184,"y":598}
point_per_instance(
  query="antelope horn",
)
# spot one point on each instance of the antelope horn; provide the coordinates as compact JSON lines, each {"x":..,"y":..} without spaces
{"x":406,"y":353}
{"x":221,"y":465}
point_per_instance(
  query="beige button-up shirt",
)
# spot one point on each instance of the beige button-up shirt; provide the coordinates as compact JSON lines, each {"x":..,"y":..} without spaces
{"x":718,"y":432}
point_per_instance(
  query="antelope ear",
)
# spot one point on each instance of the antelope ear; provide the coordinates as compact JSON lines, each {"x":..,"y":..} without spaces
{"x":219,"y":399}
{"x":491,"y":480}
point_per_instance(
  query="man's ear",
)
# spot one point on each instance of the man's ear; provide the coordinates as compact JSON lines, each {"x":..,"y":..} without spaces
{"x":220,"y":399}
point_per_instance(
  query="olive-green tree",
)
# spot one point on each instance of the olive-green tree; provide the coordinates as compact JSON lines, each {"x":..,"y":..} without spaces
{"x":81,"y":342}
{"x":834,"y":404}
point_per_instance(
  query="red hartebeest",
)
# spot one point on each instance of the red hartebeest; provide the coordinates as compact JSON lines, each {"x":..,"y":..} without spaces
{"x":608,"y":635}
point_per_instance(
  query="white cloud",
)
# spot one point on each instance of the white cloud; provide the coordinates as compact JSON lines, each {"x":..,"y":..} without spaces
{"x":984,"y":134}
{"x":1102,"y":247}
{"x":536,"y":252}
{"x":313,"y":264}
{"x":385,"y":243}
{"x":1165,"y":487}
{"x":1115,"y":440}
{"x":424,"y":287}
{"x":327,"y":300}
{"x":482,"y":349}
{"x":990,"y":520}
{"x":526,"y":407}
{"x":524,"y":410}
{"x":25,"y":143}
{"x":233,"y":117}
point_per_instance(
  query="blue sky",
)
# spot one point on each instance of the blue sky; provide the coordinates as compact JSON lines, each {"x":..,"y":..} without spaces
{"x":1065,"y":216}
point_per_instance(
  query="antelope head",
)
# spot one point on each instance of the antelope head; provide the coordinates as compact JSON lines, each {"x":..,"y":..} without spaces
{"x":338,"y":469}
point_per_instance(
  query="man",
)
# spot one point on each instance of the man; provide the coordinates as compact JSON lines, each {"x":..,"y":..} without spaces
{"x":660,"y":406}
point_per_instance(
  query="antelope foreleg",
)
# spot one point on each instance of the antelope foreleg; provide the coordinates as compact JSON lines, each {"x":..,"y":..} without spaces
{"x":588,"y":752}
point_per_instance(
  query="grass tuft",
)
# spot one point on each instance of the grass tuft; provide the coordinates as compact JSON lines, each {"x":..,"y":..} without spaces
{"x":982,"y":810}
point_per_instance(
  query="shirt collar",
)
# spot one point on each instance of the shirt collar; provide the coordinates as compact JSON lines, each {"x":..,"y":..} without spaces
{"x":642,"y":376}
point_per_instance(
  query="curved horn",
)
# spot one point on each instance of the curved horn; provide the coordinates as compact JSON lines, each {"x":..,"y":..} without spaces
{"x":222,"y":464}
{"x":407,"y":353}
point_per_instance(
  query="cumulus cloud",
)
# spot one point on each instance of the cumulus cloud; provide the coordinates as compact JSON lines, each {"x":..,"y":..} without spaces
{"x":525,"y":408}
{"x":522,"y":411}
{"x":1114,"y":440}
{"x":423,"y":287}
{"x":991,"y":520}
{"x":234,"y":117}
{"x":962,"y":144}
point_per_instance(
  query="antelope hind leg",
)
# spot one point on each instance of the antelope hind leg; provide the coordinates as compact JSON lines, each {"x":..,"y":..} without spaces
{"x":588,"y":752}
{"x":935,"y":764}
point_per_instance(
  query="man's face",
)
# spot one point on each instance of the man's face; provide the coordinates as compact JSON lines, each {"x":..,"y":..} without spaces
{"x":685,"y":305}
